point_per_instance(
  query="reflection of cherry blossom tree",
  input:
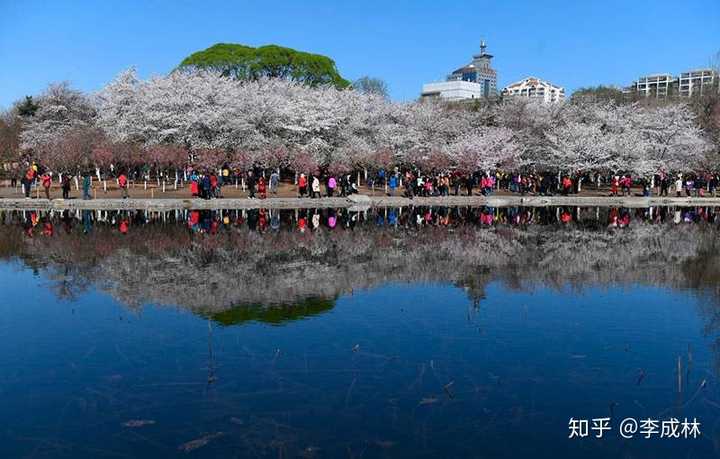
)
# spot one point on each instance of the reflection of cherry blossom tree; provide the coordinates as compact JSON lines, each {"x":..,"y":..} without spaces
{"x":346,"y":260}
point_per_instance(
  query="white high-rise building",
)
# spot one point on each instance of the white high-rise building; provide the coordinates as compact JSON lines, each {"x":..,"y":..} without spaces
{"x":535,"y":88}
{"x":698,"y":82}
{"x":473,"y":81}
{"x":659,"y":85}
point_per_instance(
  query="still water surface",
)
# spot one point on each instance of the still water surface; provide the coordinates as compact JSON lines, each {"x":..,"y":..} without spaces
{"x":453,"y":335}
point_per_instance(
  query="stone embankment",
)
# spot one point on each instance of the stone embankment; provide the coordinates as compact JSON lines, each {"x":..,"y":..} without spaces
{"x":353,"y":202}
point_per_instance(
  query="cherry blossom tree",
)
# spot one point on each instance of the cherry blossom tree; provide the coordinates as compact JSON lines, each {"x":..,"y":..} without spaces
{"x":61,"y":133}
{"x":276,"y":123}
{"x":486,"y":149}
{"x":674,"y":141}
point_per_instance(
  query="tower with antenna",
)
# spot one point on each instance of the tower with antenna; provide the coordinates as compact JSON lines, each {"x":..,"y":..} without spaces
{"x":478,"y":79}
{"x":479,"y":71}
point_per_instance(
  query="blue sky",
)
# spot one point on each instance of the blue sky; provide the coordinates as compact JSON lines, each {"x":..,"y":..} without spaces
{"x":571,"y":43}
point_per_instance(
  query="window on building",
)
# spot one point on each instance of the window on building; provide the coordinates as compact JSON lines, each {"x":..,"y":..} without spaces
{"x":469,"y":76}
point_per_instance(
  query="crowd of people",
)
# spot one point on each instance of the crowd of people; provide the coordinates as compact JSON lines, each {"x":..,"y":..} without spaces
{"x":259,"y":183}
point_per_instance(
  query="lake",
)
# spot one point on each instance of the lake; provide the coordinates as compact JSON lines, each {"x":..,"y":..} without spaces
{"x":415,"y":332}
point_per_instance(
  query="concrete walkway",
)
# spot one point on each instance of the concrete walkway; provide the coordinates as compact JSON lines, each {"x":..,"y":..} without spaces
{"x":355,"y":202}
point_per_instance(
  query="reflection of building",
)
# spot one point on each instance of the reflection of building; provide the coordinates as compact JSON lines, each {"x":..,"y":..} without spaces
{"x":535,"y":88}
{"x":698,"y":82}
{"x":475,"y":80}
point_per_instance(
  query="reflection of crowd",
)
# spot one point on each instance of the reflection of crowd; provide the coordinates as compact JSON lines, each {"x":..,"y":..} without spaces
{"x":309,"y":220}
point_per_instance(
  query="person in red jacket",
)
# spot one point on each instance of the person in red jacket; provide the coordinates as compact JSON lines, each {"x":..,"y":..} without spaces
{"x":194,"y":219}
{"x":27,"y":181}
{"x":302,"y":185}
{"x":123,"y":183}
{"x":48,"y":229}
{"x":262,"y":188}
{"x":615,"y":184}
{"x":214,"y":185}
{"x":194,"y":188}
{"x":626,"y":183}
{"x":46,"y":183}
